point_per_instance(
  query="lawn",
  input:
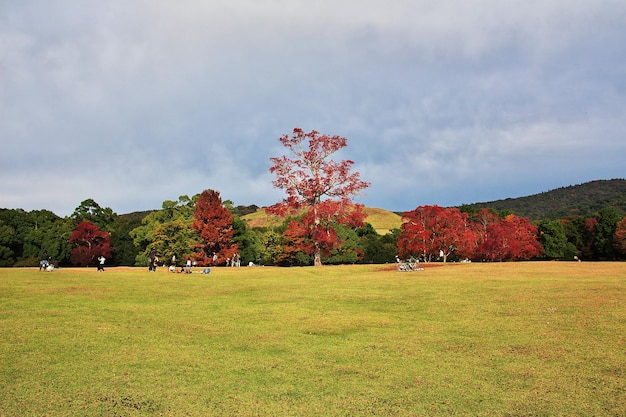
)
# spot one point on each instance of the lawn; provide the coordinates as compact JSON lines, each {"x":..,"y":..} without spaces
{"x":502,"y":339}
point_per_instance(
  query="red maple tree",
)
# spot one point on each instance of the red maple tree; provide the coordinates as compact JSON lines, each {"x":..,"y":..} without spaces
{"x":513,"y":238}
{"x":214,"y":224}
{"x":480,"y":223}
{"x":433,"y":231}
{"x":321,"y":187}
{"x":90,"y":243}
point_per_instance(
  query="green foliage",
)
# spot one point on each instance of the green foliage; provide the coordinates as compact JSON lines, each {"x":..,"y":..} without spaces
{"x":90,"y":211}
{"x":554,"y":241}
{"x":270,"y":247}
{"x":605,"y":232}
{"x":7,"y":240}
{"x":378,"y":249}
{"x":584,"y":200}
{"x":144,"y":236}
{"x":125,"y":251}
{"x":173,"y":238}
{"x":25,"y":235}
{"x":249,"y":243}
{"x":349,"y":251}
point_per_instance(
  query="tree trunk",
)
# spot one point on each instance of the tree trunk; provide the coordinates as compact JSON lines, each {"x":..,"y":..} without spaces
{"x":317,"y":255}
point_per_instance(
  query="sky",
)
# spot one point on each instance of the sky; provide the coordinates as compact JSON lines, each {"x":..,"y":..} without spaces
{"x":135,"y":102}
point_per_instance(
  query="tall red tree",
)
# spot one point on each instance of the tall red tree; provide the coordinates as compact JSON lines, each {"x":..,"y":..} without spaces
{"x":214,"y":224}
{"x":513,"y":238}
{"x":480,"y":223}
{"x":311,"y":181}
{"x":429,"y":231}
{"x":89,"y":243}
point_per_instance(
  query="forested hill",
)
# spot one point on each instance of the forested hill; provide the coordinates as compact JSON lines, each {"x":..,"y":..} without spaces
{"x":576,"y":200}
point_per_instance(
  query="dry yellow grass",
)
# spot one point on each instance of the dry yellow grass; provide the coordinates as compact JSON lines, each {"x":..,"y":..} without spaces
{"x":381,"y":220}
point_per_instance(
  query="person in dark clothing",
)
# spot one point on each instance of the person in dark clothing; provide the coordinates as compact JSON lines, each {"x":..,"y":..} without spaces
{"x":152,"y":261}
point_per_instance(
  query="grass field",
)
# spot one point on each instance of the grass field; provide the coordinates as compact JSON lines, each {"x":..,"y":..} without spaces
{"x":505,"y":339}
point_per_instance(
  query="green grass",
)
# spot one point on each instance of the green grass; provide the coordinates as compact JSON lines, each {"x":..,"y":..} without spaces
{"x":510,"y":339}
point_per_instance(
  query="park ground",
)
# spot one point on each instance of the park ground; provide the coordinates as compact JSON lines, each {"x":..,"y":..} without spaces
{"x":493,"y":339}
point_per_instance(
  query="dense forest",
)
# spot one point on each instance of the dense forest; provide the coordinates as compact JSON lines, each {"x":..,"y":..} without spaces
{"x":584,"y":200}
{"x":586,"y":221}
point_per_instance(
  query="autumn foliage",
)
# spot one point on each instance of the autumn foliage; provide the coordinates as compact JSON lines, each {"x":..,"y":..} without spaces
{"x":430,"y":232}
{"x":319,"y":189}
{"x":214,"y":224}
{"x":89,"y":243}
{"x":620,"y":237}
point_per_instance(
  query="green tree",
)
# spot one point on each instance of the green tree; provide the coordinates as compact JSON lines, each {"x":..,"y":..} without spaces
{"x":144,"y":235}
{"x":349,"y":251}
{"x":174,"y":238}
{"x":249,"y":243}
{"x":90,"y":211}
{"x":554,"y":241}
{"x":378,"y":249}
{"x":125,"y":250}
{"x":271,"y":247}
{"x":605,"y":232}
{"x":7,"y":240}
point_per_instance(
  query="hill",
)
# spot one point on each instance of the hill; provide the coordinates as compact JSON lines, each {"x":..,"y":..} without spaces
{"x":382,"y":220}
{"x":576,"y":200}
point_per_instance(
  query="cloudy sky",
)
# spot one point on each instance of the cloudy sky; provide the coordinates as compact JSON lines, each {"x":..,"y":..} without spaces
{"x":133,"y":102}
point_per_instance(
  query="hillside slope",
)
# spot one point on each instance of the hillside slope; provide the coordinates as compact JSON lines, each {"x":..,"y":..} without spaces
{"x":382,"y":220}
{"x":576,"y":200}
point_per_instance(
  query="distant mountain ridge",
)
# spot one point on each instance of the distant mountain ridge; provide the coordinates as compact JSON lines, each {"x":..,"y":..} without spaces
{"x":583,"y":200}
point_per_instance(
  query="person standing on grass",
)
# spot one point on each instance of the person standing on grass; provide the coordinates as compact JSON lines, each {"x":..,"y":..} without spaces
{"x":101,"y":260}
{"x":188,"y":270}
{"x":152,"y":262}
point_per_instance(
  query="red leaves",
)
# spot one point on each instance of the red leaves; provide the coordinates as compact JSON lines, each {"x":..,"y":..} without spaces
{"x":308,"y":178}
{"x":91,"y":242}
{"x":214,"y":223}
{"x":513,"y":238}
{"x":432,"y":230}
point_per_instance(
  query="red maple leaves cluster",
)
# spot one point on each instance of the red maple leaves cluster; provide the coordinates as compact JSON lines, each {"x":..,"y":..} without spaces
{"x":431,"y":232}
{"x":307,"y":179}
{"x":214,"y":224}
{"x":90,"y":243}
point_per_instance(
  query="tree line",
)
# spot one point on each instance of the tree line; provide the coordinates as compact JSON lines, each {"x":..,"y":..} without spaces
{"x":198,"y":228}
{"x":320,"y":225}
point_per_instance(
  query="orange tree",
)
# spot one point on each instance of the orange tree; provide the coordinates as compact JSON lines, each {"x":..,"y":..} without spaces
{"x":318,"y":186}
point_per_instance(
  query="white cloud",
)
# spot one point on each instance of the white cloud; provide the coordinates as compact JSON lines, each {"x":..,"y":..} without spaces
{"x":441,"y":102}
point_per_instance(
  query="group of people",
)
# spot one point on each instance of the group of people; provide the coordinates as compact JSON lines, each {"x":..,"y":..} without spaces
{"x":235,"y":262}
{"x":153,"y":262}
{"x":185,"y":269}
